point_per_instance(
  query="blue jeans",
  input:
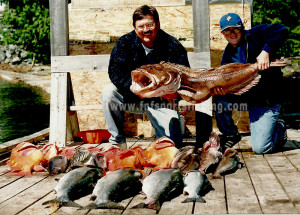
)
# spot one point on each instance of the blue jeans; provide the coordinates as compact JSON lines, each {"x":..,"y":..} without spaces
{"x":264,"y":132}
{"x":166,"y":121}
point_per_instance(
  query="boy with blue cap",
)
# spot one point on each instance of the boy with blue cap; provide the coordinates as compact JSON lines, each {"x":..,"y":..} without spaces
{"x":259,"y":44}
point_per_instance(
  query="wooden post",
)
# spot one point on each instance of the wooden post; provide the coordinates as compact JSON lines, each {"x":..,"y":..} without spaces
{"x":59,"y":39}
{"x":202,"y":45}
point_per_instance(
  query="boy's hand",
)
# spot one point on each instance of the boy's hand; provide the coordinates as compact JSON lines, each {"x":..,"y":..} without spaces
{"x":263,"y":60}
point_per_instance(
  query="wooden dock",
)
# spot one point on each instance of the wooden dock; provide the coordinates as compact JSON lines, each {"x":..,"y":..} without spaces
{"x":266,"y":184}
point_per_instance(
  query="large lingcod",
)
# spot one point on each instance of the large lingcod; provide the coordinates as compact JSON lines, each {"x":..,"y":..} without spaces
{"x":196,"y":86}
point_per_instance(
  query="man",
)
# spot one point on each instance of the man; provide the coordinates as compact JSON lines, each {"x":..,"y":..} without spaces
{"x":146,"y":44}
{"x":259,"y":44}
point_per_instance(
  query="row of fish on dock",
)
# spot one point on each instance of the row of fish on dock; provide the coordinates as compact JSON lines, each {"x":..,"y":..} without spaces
{"x":111,"y":174}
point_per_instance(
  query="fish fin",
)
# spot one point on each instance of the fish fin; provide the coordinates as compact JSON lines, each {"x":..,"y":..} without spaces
{"x":39,"y":168}
{"x":21,"y":173}
{"x":154,"y":205}
{"x":108,"y":205}
{"x":141,"y":205}
{"x":199,"y":199}
{"x":67,"y":204}
{"x":216,"y":176}
{"x":52,"y":201}
{"x":163,"y":145}
{"x":240,"y":165}
{"x":71,"y":204}
{"x":248,"y":86}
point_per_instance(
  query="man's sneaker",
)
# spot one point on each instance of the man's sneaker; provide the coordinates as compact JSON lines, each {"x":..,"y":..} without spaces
{"x":229,"y":141}
{"x":281,"y":132}
{"x":121,"y":145}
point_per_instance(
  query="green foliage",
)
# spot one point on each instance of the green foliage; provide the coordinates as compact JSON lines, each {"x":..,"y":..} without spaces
{"x":284,"y":12}
{"x":28,"y":25}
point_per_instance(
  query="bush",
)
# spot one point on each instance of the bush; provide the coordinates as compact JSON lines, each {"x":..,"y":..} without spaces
{"x":27,"y":24}
{"x":284,"y":12}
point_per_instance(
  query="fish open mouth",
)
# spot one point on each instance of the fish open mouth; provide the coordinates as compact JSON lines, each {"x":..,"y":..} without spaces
{"x":141,"y":81}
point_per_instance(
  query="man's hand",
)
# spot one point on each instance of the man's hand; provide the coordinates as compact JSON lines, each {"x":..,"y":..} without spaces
{"x":171,"y":96}
{"x":218,"y":91}
{"x":263,"y":60}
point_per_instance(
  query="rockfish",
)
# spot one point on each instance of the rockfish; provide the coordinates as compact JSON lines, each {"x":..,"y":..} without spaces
{"x":193,"y":85}
{"x":160,"y":185}
{"x":196,"y":185}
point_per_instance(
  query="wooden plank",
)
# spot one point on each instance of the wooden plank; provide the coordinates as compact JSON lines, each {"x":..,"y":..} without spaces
{"x":38,"y":208}
{"x":29,"y":196}
{"x":99,"y":63}
{"x":215,"y":200}
{"x":240,"y":194}
{"x":7,"y":178}
{"x":19,"y":186}
{"x":293,"y":134}
{"x":175,"y":206}
{"x":4,"y":168}
{"x":271,"y":196}
{"x":35,"y":137}
{"x":201,"y":26}
{"x":294,"y":158}
{"x":59,"y":27}
{"x":79,"y":63}
{"x":58,"y":109}
{"x":288,"y":176}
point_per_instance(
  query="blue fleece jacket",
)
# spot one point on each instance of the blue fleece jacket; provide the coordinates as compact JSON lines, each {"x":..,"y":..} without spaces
{"x":261,"y":37}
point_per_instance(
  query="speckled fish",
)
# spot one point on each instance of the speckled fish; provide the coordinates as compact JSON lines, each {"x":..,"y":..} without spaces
{"x":196,"y":184}
{"x":82,"y":157}
{"x":192,"y":85}
{"x":159,"y":186}
{"x":76,"y":184}
{"x":114,"y":187}
{"x":57,"y":164}
{"x":229,"y":164}
{"x":210,"y":153}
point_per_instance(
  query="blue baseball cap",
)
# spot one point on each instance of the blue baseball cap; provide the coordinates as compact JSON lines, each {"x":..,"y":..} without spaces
{"x":230,"y":20}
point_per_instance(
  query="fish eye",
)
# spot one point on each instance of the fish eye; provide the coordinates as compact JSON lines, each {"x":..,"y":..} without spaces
{"x":150,"y":67}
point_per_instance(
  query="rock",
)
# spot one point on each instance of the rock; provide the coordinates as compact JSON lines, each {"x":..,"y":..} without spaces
{"x":15,"y":59}
{"x":23,"y":54}
{"x":2,"y":56}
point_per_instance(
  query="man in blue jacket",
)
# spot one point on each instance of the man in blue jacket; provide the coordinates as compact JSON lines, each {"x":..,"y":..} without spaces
{"x":259,"y":44}
{"x":146,"y":44}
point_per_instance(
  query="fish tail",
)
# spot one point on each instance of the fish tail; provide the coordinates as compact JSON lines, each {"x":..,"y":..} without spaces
{"x":141,"y":205}
{"x":67,"y":204}
{"x":155,"y":205}
{"x":108,"y":205}
{"x":151,"y":205}
{"x":198,"y":199}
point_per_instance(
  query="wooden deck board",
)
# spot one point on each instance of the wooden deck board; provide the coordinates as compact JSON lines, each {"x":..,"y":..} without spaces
{"x":215,"y":200}
{"x":266,"y":184}
{"x":240,"y":195}
{"x":272,"y":197}
{"x":28,"y":197}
